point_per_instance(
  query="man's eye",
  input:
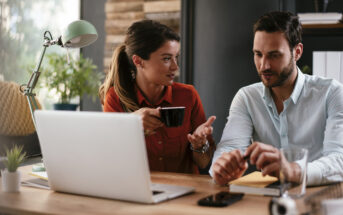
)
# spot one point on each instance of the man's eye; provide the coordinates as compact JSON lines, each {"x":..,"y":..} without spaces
{"x":274,"y":56}
{"x":258,"y":54}
{"x":166,"y":59}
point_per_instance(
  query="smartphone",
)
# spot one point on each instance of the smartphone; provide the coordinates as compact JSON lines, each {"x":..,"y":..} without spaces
{"x":221,"y":199}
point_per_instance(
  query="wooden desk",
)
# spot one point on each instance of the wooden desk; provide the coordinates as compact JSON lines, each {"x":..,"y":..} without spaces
{"x":40,"y":201}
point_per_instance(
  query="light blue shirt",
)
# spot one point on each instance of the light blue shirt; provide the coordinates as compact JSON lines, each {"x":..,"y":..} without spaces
{"x":312,"y":118}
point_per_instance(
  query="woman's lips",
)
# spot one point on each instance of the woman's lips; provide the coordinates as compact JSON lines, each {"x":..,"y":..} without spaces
{"x":172,"y":76}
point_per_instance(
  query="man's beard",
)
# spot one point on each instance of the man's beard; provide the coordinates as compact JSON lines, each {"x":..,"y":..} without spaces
{"x":282,"y":77}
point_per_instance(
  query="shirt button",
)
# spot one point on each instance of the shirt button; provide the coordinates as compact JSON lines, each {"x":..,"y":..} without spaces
{"x":160,"y":158}
{"x":159,"y":142}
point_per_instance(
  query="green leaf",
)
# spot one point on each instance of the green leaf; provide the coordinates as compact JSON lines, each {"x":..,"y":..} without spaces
{"x":15,"y":157}
{"x":70,"y":80}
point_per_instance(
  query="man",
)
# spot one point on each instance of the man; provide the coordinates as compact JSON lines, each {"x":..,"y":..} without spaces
{"x":287,"y":108}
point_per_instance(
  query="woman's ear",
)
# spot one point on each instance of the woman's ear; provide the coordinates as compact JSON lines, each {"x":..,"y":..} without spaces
{"x":138,"y":61}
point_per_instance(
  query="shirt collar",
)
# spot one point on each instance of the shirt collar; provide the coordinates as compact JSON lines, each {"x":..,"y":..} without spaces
{"x":299,"y":84}
{"x":167,"y":96}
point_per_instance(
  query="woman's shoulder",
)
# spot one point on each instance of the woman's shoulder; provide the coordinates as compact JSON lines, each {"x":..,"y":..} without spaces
{"x":184,"y":88}
{"x":111,"y":101}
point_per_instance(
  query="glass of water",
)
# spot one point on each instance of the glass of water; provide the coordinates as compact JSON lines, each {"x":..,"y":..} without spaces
{"x":299,"y":156}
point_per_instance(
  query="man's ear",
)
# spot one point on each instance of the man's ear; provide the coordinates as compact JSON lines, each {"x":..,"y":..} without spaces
{"x":298,"y":51}
{"x":138,"y":61}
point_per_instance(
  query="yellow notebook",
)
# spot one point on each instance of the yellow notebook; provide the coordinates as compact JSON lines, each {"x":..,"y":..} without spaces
{"x":255,"y":183}
{"x":42,"y":175}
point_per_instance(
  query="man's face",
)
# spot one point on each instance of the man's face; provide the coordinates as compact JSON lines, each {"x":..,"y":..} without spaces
{"x":274,"y":61}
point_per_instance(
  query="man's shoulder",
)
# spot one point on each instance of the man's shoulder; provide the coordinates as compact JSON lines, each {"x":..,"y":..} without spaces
{"x":314,"y":82}
{"x":252,"y":89}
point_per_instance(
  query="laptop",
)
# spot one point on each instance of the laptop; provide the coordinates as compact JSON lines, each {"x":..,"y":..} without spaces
{"x":99,"y":154}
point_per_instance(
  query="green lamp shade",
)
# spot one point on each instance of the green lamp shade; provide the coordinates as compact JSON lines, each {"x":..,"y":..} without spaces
{"x":78,"y":34}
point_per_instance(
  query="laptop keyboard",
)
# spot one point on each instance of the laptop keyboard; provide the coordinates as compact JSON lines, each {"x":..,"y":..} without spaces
{"x":155,"y":192}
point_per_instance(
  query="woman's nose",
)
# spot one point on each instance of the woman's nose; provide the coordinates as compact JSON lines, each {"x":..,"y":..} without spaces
{"x":174,"y":64}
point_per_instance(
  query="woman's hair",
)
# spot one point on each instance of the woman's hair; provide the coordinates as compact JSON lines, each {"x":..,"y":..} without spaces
{"x":142,"y":38}
{"x":284,"y":22}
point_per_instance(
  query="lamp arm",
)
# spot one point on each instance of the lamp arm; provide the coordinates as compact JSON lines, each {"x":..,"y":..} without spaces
{"x":27,"y":91}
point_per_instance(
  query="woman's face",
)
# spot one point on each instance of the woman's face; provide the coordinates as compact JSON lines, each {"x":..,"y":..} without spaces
{"x":162,"y":66}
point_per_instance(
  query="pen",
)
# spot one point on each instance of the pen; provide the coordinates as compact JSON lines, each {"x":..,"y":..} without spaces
{"x":246,"y":157}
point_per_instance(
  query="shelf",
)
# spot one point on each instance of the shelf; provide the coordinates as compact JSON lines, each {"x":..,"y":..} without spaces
{"x":323,"y":29}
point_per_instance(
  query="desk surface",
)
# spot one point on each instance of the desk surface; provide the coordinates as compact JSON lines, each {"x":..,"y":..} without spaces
{"x":40,"y":201}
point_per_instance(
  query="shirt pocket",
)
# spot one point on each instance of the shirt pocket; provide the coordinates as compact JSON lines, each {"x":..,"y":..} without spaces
{"x":172,"y":147}
{"x":176,"y":131}
{"x":177,"y":142}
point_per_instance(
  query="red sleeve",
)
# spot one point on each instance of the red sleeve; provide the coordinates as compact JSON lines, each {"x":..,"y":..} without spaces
{"x":112,"y":102}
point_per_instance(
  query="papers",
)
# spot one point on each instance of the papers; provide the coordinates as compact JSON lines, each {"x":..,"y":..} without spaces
{"x":42,"y":175}
{"x":320,"y":18}
{"x":255,"y":183}
{"x":41,"y":180}
{"x":36,"y":182}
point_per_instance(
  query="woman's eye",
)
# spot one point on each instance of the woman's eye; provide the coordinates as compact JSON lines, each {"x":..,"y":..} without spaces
{"x":166,"y":59}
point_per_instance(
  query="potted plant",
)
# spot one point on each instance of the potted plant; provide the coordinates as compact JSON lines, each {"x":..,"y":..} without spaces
{"x":70,"y":80}
{"x":10,"y":177}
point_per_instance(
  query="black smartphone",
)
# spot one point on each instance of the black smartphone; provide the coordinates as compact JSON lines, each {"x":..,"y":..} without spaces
{"x":221,"y":199}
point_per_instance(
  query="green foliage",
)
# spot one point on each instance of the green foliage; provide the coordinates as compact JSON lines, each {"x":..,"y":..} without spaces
{"x":20,"y":37}
{"x":77,"y":78}
{"x":15,"y":157}
{"x":306,"y":69}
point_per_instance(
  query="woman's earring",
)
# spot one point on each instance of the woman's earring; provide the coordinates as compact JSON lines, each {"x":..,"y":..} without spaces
{"x":133,"y":75}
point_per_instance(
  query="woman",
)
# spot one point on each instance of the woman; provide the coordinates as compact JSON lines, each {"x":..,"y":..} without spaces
{"x":140,"y":80}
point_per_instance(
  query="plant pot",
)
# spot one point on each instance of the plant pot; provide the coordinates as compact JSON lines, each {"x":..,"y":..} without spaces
{"x":10,"y":181}
{"x":64,"y":106}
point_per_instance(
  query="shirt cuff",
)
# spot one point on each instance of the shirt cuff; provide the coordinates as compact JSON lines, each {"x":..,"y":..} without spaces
{"x":314,"y":174}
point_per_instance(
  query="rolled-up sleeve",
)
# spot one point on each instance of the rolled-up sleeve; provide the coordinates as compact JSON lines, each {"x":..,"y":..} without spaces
{"x":238,"y":129}
{"x":329,"y":168}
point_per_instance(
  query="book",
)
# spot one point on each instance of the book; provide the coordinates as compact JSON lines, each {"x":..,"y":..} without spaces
{"x":42,"y":175}
{"x":257,"y":184}
{"x":320,"y":18}
{"x":41,"y":180}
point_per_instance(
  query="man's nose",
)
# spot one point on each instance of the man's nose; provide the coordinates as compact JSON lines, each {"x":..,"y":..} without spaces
{"x":265,"y":64}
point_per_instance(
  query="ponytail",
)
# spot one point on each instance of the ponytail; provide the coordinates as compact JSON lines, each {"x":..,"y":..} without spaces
{"x":120,"y":76}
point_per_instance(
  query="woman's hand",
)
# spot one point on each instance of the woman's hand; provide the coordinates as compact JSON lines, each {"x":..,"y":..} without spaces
{"x":199,"y":137}
{"x":150,"y":118}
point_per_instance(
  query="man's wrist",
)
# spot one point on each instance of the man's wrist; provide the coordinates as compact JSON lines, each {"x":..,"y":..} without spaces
{"x":296,"y":172}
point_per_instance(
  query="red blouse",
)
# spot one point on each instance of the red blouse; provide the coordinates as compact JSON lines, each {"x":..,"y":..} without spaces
{"x":168,"y":149}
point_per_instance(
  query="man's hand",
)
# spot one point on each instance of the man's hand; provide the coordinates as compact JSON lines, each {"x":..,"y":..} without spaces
{"x":150,"y":118}
{"x":269,"y":160}
{"x":199,"y":137}
{"x":229,"y":166}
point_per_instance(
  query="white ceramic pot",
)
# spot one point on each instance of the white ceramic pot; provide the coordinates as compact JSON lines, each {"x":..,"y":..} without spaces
{"x":10,"y":181}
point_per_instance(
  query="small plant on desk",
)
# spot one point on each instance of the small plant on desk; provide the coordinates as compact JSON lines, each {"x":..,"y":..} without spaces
{"x":10,"y":177}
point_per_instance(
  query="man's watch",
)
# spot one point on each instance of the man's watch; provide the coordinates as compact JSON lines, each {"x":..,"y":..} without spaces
{"x":202,"y":150}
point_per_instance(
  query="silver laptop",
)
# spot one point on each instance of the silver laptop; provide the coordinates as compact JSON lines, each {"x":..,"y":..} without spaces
{"x":99,"y":154}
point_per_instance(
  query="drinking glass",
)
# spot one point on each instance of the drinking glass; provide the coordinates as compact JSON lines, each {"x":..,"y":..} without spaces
{"x":293,"y":155}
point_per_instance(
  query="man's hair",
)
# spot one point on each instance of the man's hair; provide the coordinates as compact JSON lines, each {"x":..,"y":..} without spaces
{"x":284,"y":22}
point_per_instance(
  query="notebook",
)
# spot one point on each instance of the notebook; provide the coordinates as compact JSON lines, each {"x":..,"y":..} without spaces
{"x":99,"y":154}
{"x":256,"y":183}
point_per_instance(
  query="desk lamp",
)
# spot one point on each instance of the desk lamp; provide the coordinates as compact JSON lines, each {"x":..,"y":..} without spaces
{"x":78,"y":34}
